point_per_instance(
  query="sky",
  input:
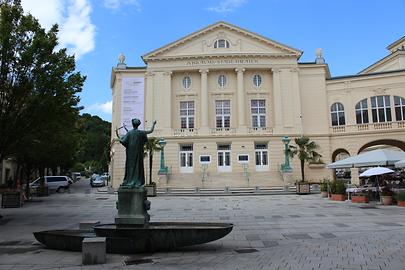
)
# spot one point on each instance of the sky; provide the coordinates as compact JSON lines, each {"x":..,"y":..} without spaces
{"x":353,"y":34}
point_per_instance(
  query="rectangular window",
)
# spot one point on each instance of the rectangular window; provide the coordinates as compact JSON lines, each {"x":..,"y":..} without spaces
{"x":187,"y":114}
{"x":258,"y":111}
{"x":261,"y":154}
{"x":399,"y":104}
{"x":381,"y":109}
{"x":186,"y":157}
{"x":223,"y":113}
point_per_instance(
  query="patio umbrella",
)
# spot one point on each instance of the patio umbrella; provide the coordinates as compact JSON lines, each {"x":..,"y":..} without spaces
{"x":375,"y":171}
{"x":379,"y":157}
{"x":400,"y":164}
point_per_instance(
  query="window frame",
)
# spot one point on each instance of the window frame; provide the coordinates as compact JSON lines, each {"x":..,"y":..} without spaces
{"x":221,"y":115}
{"x":189,"y":116}
{"x":259,"y":80}
{"x":363,"y":112}
{"x":378,"y":110}
{"x":335,"y":110}
{"x":399,"y":108}
{"x":184,"y":82}
{"x":260,"y":115}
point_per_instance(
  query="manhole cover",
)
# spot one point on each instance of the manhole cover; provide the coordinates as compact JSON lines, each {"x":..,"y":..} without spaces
{"x":137,"y":261}
{"x":246,"y":250}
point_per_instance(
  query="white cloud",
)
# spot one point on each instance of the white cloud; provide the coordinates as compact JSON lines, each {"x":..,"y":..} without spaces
{"x":77,"y":32}
{"x":116,"y":4}
{"x":227,"y":6}
{"x":100,"y":107}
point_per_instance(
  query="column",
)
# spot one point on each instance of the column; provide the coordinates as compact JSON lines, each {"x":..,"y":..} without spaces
{"x":297,"y":100}
{"x":241,"y":98}
{"x":149,"y":99}
{"x":166,"y":102}
{"x":277,"y":101}
{"x":204,"y":101}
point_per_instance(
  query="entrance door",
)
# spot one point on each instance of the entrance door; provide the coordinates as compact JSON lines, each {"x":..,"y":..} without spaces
{"x":224,"y":158}
{"x":186,"y":159}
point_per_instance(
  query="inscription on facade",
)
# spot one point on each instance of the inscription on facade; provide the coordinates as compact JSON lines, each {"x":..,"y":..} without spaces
{"x":220,"y":62}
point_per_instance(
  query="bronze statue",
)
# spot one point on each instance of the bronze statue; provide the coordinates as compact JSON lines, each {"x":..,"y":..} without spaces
{"x":134,"y":141}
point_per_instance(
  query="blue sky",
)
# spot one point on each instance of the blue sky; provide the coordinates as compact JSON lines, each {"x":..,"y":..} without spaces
{"x":353,"y":34}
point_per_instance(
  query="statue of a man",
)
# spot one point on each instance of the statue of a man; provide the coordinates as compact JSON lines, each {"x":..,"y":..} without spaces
{"x":134,"y":141}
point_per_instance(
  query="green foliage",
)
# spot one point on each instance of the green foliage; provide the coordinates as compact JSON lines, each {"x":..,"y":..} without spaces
{"x":305,"y":151}
{"x":94,"y":142}
{"x":324,"y":185}
{"x":401,"y":196}
{"x":38,"y":93}
{"x":337,"y":187}
{"x":386,"y":191}
{"x":151,"y":146}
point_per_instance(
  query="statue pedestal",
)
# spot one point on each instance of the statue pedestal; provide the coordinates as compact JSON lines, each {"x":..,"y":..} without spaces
{"x":132,"y":207}
{"x":288,"y":180}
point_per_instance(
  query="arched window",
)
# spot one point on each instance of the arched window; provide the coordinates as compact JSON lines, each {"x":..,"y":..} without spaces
{"x":399,"y":103}
{"x":362,"y":112}
{"x":221,"y":43}
{"x":337,"y":113}
{"x":381,"y":109}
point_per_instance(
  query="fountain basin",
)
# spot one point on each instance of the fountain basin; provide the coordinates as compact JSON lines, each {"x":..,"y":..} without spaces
{"x":135,"y":239}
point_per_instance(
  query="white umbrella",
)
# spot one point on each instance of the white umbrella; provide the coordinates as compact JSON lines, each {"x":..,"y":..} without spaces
{"x":379,"y":157}
{"x":400,"y":164}
{"x":376,"y":171}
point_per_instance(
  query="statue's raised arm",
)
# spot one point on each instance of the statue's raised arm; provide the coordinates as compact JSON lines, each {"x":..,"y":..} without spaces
{"x":152,"y":128}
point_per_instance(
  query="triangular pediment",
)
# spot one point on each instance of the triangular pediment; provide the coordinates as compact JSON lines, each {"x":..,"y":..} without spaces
{"x":202,"y":43}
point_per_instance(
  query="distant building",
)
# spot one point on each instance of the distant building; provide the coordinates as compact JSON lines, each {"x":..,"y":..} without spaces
{"x":224,"y":97}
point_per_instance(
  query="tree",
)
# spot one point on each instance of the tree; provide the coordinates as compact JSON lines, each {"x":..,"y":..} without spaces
{"x":94,"y":142}
{"x":151,"y":146}
{"x":305,"y":151}
{"x":38,"y":90}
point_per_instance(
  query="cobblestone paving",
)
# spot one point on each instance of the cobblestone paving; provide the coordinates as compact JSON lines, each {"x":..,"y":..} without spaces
{"x":270,"y":232}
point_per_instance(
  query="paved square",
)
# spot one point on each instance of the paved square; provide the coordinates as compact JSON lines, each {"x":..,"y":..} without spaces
{"x":270,"y":232}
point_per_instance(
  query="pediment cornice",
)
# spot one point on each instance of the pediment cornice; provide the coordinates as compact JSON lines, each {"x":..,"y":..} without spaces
{"x":217,"y":56}
{"x":159,"y":53}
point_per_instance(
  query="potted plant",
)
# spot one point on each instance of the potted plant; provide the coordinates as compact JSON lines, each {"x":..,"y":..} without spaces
{"x":401,"y":198}
{"x":386,"y":196}
{"x":324,"y":188}
{"x":305,"y":151}
{"x":360,"y":197}
{"x":338,"y":191}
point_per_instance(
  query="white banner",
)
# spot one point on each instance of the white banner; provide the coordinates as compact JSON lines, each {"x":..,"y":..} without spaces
{"x":132,"y":102}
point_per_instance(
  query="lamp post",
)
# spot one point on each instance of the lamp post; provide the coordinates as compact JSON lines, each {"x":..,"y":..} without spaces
{"x":163,"y":168}
{"x":286,"y":166}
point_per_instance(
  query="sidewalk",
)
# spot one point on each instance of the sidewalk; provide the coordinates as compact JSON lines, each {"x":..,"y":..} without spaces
{"x":270,"y":232}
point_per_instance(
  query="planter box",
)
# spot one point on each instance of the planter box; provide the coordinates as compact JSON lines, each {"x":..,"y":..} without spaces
{"x":360,"y":199}
{"x":150,"y":190}
{"x":324,"y":194}
{"x":386,"y":200}
{"x":303,"y":188}
{"x":338,"y":197}
{"x":401,"y":203}
{"x":12,"y":199}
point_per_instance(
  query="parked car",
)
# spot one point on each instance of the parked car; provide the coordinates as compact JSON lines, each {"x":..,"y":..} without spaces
{"x":98,"y":181}
{"x":57,"y":183}
{"x":76,"y":176}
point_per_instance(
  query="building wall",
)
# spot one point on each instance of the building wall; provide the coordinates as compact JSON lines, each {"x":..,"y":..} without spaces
{"x":298,"y":98}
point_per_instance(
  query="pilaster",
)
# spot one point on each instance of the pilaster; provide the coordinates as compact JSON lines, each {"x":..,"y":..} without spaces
{"x":240,"y":99}
{"x":277,"y":101}
{"x":204,"y":101}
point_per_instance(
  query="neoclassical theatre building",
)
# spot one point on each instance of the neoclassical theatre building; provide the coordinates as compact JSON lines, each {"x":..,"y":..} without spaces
{"x":224,"y":98}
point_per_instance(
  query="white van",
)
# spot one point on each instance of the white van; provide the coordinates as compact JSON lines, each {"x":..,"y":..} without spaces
{"x":57,"y":183}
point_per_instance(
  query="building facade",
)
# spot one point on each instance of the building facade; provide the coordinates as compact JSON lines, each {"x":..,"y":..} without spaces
{"x":224,"y":98}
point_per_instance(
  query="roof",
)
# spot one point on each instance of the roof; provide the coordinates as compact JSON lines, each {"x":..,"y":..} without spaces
{"x":395,"y":43}
{"x":220,"y":24}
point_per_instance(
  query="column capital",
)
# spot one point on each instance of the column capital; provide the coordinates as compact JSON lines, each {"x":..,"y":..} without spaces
{"x":168,"y":73}
{"x":275,"y":70}
{"x":149,"y":73}
{"x":205,"y":71}
{"x":295,"y":69}
{"x":239,"y":70}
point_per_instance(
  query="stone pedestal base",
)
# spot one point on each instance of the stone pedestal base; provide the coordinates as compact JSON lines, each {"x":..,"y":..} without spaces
{"x":287,"y":180}
{"x":132,"y":207}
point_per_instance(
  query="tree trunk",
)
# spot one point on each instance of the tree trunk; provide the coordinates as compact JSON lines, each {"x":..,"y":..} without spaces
{"x":302,"y":170}
{"x":150,"y":166}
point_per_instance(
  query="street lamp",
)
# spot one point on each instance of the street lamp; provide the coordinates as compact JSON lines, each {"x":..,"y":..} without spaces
{"x":163,"y":168}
